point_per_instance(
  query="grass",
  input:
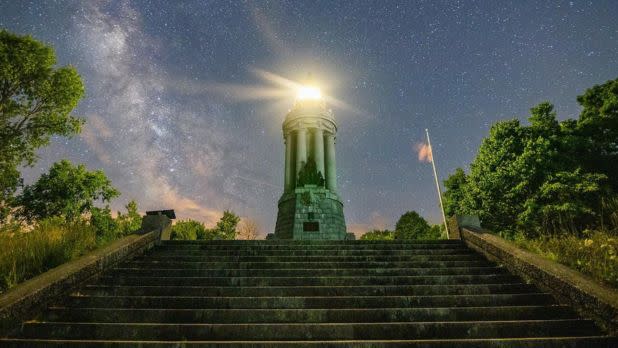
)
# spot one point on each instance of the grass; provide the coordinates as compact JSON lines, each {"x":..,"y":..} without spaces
{"x":595,"y":254}
{"x":52,"y":242}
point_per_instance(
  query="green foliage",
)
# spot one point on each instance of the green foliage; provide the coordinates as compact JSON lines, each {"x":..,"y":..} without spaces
{"x":226,"y":227}
{"x":67,"y":191}
{"x":543,"y":178}
{"x":106,"y":228}
{"x":597,"y":130}
{"x":131,"y":221}
{"x":309,"y":174}
{"x":36,"y":99}
{"x":194,"y":230}
{"x":188,"y":230}
{"x":53,"y":241}
{"x":10,"y":180}
{"x":595,"y":255}
{"x":413,"y":226}
{"x":454,"y":192}
{"x":378,"y":235}
{"x":564,"y":200}
{"x":50,"y":243}
{"x":437,"y":232}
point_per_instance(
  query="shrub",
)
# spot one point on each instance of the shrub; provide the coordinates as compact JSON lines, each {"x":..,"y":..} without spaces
{"x":105,"y":226}
{"x":378,"y":235}
{"x":131,"y":221}
{"x":188,"y":230}
{"x":413,"y":226}
{"x":50,"y":243}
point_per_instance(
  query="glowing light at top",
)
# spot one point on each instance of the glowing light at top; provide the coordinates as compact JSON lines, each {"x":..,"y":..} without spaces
{"x":309,"y":93}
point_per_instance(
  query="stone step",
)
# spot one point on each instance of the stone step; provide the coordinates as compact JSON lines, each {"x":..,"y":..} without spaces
{"x":311,"y":331}
{"x":329,"y":272}
{"x":188,"y":302}
{"x":536,"y":342}
{"x":240,"y":243}
{"x":308,"y":293}
{"x":165,"y":264}
{"x":308,"y":281}
{"x":274,"y":291}
{"x":330,"y":258}
{"x":270,"y":246}
{"x":312,"y":252}
{"x":304,"y":315}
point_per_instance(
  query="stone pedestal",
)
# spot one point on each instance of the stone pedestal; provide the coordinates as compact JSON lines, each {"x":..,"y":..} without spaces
{"x":310,"y":213}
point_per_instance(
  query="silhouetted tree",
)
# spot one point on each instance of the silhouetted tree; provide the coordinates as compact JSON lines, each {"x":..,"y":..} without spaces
{"x":67,"y":190}
{"x":36,"y":100}
{"x":413,"y":226}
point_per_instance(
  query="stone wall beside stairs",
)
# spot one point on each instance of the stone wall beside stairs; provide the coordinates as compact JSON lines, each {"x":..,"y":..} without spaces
{"x":590,"y":298}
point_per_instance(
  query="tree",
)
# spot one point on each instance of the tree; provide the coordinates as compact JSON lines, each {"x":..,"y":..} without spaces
{"x":598,"y":127}
{"x":189,"y":230}
{"x":248,"y":229}
{"x":565,"y":202}
{"x":36,"y":100}
{"x":68,"y":191}
{"x":378,"y":235}
{"x":437,"y":232}
{"x":541,"y":178}
{"x":106,"y":228}
{"x":454,"y":193}
{"x":226,"y":227}
{"x":131,"y":221}
{"x":511,"y":166}
{"x":412,"y":226}
{"x":490,"y":192}
{"x":194,"y":230}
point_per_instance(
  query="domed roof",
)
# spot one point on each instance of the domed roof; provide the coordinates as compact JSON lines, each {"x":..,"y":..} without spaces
{"x":309,"y":109}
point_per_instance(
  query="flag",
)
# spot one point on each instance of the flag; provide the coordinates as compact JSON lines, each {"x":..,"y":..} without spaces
{"x":424,"y":152}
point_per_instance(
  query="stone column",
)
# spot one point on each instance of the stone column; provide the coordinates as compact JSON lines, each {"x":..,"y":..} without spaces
{"x":301,"y":150}
{"x":318,"y":150}
{"x":289,"y":166}
{"x":331,"y":164}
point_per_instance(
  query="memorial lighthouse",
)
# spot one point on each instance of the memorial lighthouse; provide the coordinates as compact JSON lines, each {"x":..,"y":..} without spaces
{"x":310,"y":207}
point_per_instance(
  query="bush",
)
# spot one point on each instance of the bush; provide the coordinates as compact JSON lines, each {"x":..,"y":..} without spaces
{"x":378,"y":235}
{"x":131,"y":221}
{"x":595,"y":255}
{"x":50,"y":243}
{"x":105,"y":226}
{"x":188,"y":230}
{"x":413,"y":226}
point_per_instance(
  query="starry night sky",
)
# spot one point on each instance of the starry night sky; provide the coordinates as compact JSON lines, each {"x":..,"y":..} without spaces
{"x":179,"y":114}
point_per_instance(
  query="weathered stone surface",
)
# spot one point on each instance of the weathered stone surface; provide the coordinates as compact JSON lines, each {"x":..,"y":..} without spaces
{"x":314,"y":205}
{"x":310,"y":208}
{"x":591,"y":299}
{"x":308,"y":293}
{"x":161,"y":224}
{"x":24,"y":300}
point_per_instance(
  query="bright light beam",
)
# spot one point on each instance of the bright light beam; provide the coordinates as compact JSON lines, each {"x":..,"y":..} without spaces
{"x":309,"y":93}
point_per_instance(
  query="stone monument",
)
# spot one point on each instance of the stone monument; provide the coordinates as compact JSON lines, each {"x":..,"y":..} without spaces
{"x":310,"y":207}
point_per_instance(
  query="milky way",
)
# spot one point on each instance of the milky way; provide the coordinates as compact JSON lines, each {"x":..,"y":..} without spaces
{"x":169,"y":133}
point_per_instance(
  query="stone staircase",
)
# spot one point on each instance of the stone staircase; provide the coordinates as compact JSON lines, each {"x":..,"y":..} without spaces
{"x":309,"y":293}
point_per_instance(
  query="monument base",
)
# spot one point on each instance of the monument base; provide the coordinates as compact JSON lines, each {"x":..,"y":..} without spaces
{"x":310,"y":213}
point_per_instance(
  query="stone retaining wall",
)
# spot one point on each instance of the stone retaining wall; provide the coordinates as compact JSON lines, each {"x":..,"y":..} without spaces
{"x":24,"y":300}
{"x":588,"y":297}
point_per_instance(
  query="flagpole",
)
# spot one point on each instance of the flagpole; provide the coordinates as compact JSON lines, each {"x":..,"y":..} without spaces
{"x":435,"y":175}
